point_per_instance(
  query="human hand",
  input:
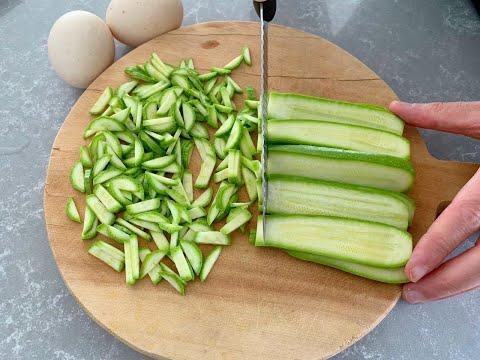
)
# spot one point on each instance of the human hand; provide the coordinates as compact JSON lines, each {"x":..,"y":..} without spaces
{"x":430,"y":279}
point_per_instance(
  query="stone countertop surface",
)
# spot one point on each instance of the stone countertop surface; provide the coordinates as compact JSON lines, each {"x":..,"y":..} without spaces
{"x":425,"y":50}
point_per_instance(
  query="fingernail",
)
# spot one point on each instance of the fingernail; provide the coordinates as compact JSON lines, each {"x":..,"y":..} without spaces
{"x":417,"y":273}
{"x":413,"y":296}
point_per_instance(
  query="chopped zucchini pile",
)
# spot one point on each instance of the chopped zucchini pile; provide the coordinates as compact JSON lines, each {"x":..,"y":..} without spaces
{"x":135,"y":170}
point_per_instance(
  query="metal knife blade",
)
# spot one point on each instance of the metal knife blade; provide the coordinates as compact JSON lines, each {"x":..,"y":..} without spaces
{"x":266,"y":11}
{"x":264,"y":108}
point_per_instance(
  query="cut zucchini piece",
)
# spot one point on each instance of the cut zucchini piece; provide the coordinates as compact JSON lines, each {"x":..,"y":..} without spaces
{"x":77,"y":176}
{"x":133,"y":229}
{"x":240,"y":219}
{"x":394,"y":275}
{"x":351,"y":240}
{"x":193,"y":254}
{"x":101,"y":212}
{"x":156,"y":273}
{"x":102,"y":102}
{"x":379,"y":171}
{"x":150,"y":261}
{"x":187,"y":181}
{"x":246,"y":56}
{"x":113,"y":233}
{"x":72,"y":211}
{"x":160,"y":240}
{"x":235,"y":136}
{"x":132,"y":260}
{"x":234,"y":167}
{"x":106,"y":257}
{"x":250,"y":183}
{"x":108,"y":200}
{"x":204,"y":199}
{"x":143,"y":206}
{"x":209,"y":261}
{"x":101,"y":164}
{"x":206,"y":171}
{"x":85,"y":157}
{"x":212,"y":238}
{"x":293,"y":106}
{"x":103,"y":123}
{"x":159,"y":163}
{"x":184,"y":270}
{"x":303,"y":196}
{"x":335,"y":135}
{"x":172,"y":278}
{"x":89,"y":227}
{"x":226,"y":127}
{"x":235,"y":63}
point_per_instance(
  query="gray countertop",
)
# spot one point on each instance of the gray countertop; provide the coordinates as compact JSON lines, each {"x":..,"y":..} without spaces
{"x":425,"y":50}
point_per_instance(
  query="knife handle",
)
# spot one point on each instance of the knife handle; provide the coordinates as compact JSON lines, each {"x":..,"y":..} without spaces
{"x":269,"y":8}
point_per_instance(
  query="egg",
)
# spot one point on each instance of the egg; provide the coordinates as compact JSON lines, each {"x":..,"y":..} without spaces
{"x":135,"y":22}
{"x":80,"y":47}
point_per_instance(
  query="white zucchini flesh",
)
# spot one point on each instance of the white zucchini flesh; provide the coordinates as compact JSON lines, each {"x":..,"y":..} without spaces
{"x":303,"y":196}
{"x":341,"y":136}
{"x":351,"y":240}
{"x":291,"y":106}
{"x":379,"y":171}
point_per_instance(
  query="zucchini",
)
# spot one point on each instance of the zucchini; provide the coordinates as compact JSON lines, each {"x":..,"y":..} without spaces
{"x":209,"y":261}
{"x":102,"y":101}
{"x":109,"y":259}
{"x":181,"y":263}
{"x":72,"y":211}
{"x":172,"y":278}
{"x":341,"y":136}
{"x":77,"y":176}
{"x":394,"y":275}
{"x":380,"y":171}
{"x":151,"y":261}
{"x":204,"y":199}
{"x":303,"y":196}
{"x":113,"y":233}
{"x":292,"y":106}
{"x":160,"y":240}
{"x":212,"y":238}
{"x":193,"y":254}
{"x":155,"y":272}
{"x":357,"y":241}
{"x":101,"y":212}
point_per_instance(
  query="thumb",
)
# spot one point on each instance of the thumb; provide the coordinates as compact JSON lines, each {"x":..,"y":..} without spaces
{"x":455,"y":117}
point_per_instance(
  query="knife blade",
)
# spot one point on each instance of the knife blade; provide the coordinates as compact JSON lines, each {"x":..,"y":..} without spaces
{"x":266,"y":11}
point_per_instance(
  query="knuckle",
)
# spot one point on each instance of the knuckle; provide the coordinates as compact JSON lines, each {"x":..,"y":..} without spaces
{"x":437,"y":107}
{"x":468,"y":214}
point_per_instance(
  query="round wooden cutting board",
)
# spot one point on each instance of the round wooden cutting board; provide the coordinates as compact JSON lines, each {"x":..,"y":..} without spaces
{"x":256,"y":303}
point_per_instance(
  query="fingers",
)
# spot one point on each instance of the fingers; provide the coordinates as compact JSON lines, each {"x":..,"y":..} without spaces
{"x":456,"y":276}
{"x":455,"y":117}
{"x":456,"y":223}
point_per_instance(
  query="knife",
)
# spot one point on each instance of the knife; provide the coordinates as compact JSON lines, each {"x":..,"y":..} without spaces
{"x":266,"y":11}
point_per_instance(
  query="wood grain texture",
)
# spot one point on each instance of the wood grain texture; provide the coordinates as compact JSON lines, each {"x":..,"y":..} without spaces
{"x":256,"y":303}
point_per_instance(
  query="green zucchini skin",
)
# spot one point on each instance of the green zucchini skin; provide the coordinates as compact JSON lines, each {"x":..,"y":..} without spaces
{"x":346,"y":166}
{"x":304,"y":196}
{"x":335,"y":135}
{"x":386,"y":275}
{"x":357,"y":241}
{"x":289,"y":106}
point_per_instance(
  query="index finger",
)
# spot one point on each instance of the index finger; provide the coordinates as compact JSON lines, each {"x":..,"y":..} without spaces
{"x":454,"y":117}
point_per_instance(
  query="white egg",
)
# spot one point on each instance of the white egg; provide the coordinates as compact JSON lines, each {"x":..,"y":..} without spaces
{"x":135,"y":22}
{"x":80,"y":47}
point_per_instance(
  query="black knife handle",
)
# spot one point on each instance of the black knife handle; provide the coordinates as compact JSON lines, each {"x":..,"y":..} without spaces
{"x":269,"y":9}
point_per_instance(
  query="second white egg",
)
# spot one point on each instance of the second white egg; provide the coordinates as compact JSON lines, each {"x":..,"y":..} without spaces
{"x":135,"y":22}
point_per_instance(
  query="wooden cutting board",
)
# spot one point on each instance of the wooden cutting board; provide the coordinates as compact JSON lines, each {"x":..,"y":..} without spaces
{"x":256,"y":303}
